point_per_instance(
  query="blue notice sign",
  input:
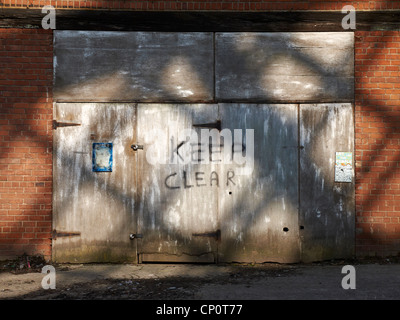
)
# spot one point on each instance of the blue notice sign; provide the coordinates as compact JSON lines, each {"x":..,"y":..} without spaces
{"x":102,"y":157}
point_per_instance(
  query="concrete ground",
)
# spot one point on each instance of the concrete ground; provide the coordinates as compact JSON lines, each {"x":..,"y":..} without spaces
{"x":322,"y":281}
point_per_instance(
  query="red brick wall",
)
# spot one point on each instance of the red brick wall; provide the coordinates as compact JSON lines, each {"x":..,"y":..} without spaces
{"x":377,"y":71}
{"x":25,"y":141}
{"x":243,"y":5}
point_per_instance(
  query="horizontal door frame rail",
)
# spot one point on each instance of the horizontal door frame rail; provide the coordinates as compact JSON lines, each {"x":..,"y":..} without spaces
{"x":195,"y":21}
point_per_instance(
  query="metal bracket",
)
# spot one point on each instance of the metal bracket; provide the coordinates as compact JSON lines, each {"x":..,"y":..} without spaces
{"x":57,"y":124}
{"x":298,"y":147}
{"x":59,"y":234}
{"x":213,"y":234}
{"x":136,"y":147}
{"x":214,"y":125}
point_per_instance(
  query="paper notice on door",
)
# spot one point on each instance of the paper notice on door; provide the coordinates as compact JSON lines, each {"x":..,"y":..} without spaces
{"x":102,"y":157}
{"x":344,"y":167}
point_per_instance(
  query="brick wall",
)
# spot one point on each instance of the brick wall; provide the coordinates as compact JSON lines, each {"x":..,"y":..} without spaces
{"x":25,"y":141}
{"x":377,"y":112}
{"x":242,"y":5}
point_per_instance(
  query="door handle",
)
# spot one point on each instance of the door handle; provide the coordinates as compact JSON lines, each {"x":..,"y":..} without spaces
{"x":136,"y":147}
{"x":133,"y":236}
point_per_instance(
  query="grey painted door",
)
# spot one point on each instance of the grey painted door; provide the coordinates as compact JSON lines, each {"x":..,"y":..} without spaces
{"x":207,"y":183}
{"x":93,"y":211}
{"x":259,"y":216}
{"x":327,"y":205}
{"x":178,"y":205}
{"x":280,"y":202}
{"x":235,"y":199}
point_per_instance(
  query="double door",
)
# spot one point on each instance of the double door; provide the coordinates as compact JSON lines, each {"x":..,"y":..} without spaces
{"x":201,"y":182}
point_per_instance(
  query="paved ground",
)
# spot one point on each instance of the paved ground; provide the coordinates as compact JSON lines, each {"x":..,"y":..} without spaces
{"x":374,"y":280}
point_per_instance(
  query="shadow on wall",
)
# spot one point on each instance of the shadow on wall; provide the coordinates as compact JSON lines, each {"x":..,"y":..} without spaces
{"x":377,"y":138}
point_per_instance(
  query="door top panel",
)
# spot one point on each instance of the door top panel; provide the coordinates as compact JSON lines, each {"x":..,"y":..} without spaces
{"x":285,"y":67}
{"x":100,"y":66}
{"x":133,"y":66}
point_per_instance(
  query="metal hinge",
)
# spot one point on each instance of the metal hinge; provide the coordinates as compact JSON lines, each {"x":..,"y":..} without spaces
{"x":57,"y":124}
{"x":214,"y":125}
{"x":213,"y":234}
{"x":298,"y":147}
{"x":60,"y":234}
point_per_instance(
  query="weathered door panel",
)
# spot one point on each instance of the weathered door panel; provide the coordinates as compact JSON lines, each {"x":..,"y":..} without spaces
{"x":113,"y":66}
{"x":259,"y":212}
{"x":178,"y":212}
{"x":327,"y":212}
{"x":96,"y":207}
{"x":284,"y":66}
{"x":191,"y":203}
